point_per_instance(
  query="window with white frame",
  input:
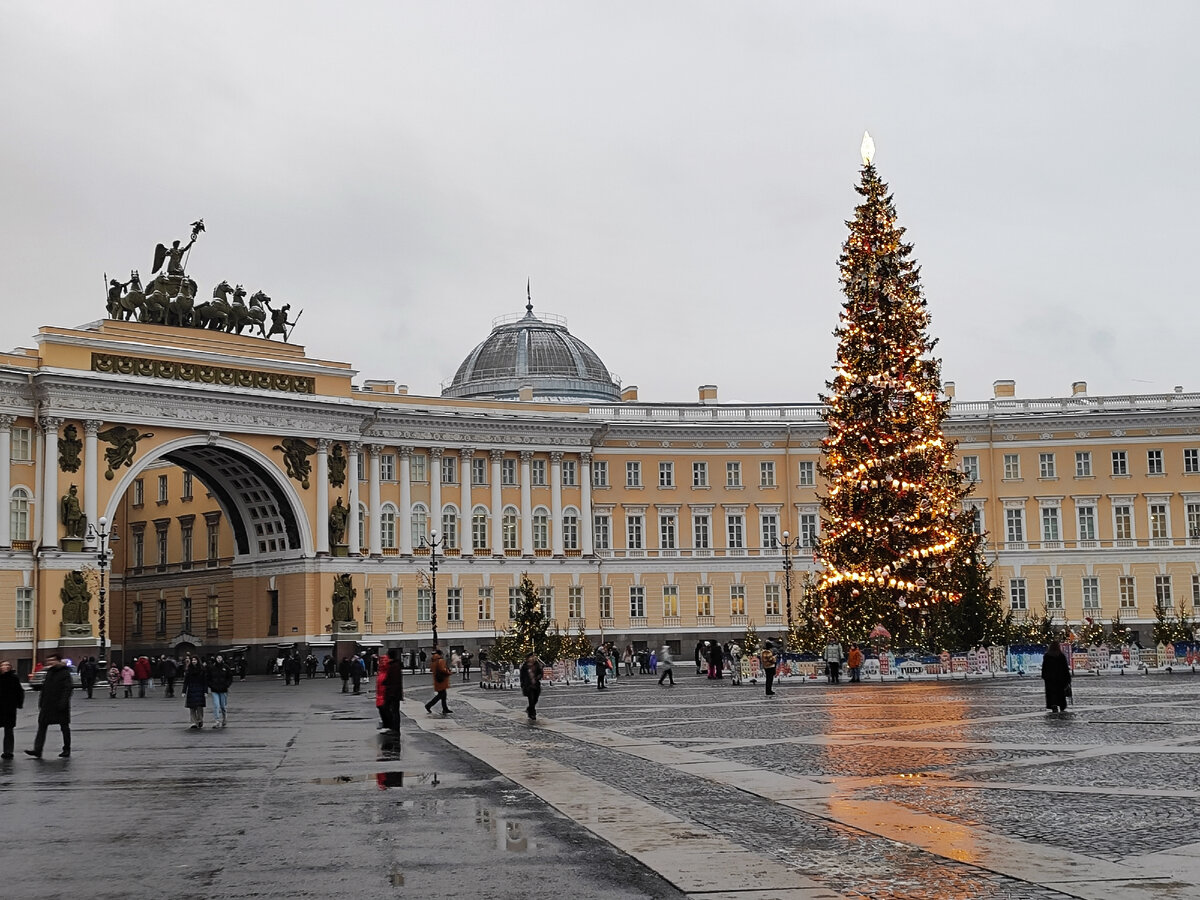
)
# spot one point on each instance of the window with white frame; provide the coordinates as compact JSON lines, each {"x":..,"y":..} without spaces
{"x":139,"y":546}
{"x":1046,"y":466}
{"x":701,"y":531}
{"x":570,"y":473}
{"x":606,"y":609}
{"x":1050,"y":523}
{"x":163,"y":489}
{"x":485,"y":604}
{"x":541,"y":530}
{"x":699,"y":474}
{"x":160,"y":618}
{"x":770,"y":530}
{"x":387,"y":466}
{"x":395,"y":605}
{"x":479,"y":529}
{"x":1154,"y":462}
{"x":570,"y":528}
{"x":1120,"y":462}
{"x":1162,"y":591}
{"x":185,"y":541}
{"x":634,"y":538}
{"x":1014,"y":525}
{"x":508,"y":472}
{"x":1123,"y":522}
{"x":737,"y":599}
{"x":138,"y":617}
{"x":24,"y":607}
{"x":213,"y":614}
{"x":666,"y":474}
{"x":807,"y":473}
{"x":449,"y":469}
{"x":18,"y":515}
{"x":575,"y":601}
{"x":509,"y":525}
{"x":1192,"y":512}
{"x":139,"y":492}
{"x":424,"y":604}
{"x":735,"y":529}
{"x":637,"y":601}
{"x":733,"y":474}
{"x":766,"y":473}
{"x":418,"y":467}
{"x":449,"y":528}
{"x":212,"y":538}
{"x":387,"y":526}
{"x":1127,"y":591}
{"x":454,"y":610}
{"x":1191,"y":460}
{"x":361,"y":461}
{"x":808,"y":530}
{"x":160,"y":540}
{"x":187,"y":486}
{"x":970,"y":468}
{"x":633,"y":473}
{"x":22,"y":444}
{"x":362,"y":526}
{"x":420,"y":525}
{"x":1085,"y":517}
{"x":1091,"y":592}
{"x":1054,"y":593}
{"x":546,"y":595}
{"x":479,"y":470}
{"x":1083,"y":464}
{"x":600,"y":473}
{"x":602,"y":531}
{"x":668,"y":525}
{"x":704,"y":604}
{"x":1160,"y":526}
{"x":1196,"y":590}
{"x":975,"y":511}
{"x":771,"y":605}
{"x":1016,"y":594}
{"x":1012,"y":466}
{"x":671,"y":600}
{"x":367,"y":605}
{"x":514,"y":602}
{"x":537,"y":472}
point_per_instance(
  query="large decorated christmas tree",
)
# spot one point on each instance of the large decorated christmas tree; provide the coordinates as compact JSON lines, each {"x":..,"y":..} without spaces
{"x":528,"y":632}
{"x":896,"y":547}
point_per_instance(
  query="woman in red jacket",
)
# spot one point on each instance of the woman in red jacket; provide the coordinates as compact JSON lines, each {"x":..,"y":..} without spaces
{"x":380,"y":690}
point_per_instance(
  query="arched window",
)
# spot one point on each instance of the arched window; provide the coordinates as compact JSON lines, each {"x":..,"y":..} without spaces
{"x":570,"y":527}
{"x":362,"y":527}
{"x":420,"y":525}
{"x":449,"y":527}
{"x":387,"y":526}
{"x":479,"y":528}
{"x":541,"y":529}
{"x":19,"y":514}
{"x":509,"y":528}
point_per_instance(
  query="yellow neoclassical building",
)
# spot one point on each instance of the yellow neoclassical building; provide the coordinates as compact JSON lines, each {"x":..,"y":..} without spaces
{"x":221,"y":463}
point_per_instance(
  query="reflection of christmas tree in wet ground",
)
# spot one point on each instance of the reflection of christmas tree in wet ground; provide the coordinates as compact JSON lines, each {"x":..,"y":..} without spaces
{"x":895,"y":542}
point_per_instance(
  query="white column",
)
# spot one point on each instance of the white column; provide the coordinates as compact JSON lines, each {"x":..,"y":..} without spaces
{"x":374,"y":507}
{"x":526,"y":505}
{"x":587,"y":526}
{"x":49,"y":499}
{"x":91,"y":475}
{"x":406,"y":535}
{"x":352,"y":545}
{"x":556,"y":532}
{"x":435,"y":489}
{"x":464,"y":477}
{"x":497,"y":505}
{"x":6,"y":424}
{"x":323,"y":496}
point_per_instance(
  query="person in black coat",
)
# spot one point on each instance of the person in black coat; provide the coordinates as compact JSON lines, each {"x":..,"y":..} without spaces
{"x":716,"y":660}
{"x":12,"y":698}
{"x":531,"y":683}
{"x":1057,"y":676}
{"x":54,"y":705}
{"x":88,"y":671}
{"x":344,"y":672}
{"x":393,"y":690}
{"x":195,"y":686}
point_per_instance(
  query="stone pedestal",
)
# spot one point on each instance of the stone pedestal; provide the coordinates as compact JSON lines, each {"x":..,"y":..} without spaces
{"x":71,"y":545}
{"x":341,"y":550}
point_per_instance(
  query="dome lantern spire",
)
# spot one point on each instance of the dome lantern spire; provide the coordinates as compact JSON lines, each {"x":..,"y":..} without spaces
{"x":529,"y":299}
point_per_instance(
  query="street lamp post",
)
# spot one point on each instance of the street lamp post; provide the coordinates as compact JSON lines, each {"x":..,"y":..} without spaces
{"x":433,"y":543}
{"x":101,"y":537}
{"x":788,"y":544}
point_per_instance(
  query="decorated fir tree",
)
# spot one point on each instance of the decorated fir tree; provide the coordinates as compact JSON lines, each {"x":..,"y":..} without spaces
{"x":896,"y":540}
{"x":750,"y":642}
{"x":807,"y":634}
{"x":529,"y":631}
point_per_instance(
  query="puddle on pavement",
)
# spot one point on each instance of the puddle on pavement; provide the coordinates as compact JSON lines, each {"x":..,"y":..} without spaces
{"x":385,"y":780}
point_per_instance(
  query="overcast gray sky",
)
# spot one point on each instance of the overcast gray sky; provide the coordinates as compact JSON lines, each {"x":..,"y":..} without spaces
{"x":673,"y":177}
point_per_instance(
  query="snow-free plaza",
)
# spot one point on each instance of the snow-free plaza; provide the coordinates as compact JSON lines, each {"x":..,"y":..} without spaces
{"x":956,"y":786}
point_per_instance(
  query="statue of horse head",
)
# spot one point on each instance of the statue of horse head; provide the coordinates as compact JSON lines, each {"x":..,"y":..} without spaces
{"x":222,"y":291}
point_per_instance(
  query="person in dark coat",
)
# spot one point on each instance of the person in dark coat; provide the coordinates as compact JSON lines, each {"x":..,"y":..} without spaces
{"x":12,"y":698}
{"x":195,"y":684}
{"x":88,"y":671}
{"x":391,"y":673}
{"x":344,"y":672}
{"x":531,"y":683}
{"x":602,"y":664}
{"x":358,"y":671}
{"x":54,"y":706}
{"x":170,"y":671}
{"x":219,"y":680}
{"x":441,"y":681}
{"x":716,"y":660}
{"x":1057,"y":676}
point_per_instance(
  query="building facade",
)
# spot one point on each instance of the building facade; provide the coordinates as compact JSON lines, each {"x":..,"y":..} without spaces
{"x":221,"y":463}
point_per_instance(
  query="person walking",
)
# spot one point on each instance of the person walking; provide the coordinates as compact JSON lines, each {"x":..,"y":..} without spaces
{"x":141,"y":671}
{"x":344,"y":671}
{"x":854,"y":662}
{"x":170,"y":671}
{"x":1056,"y":673}
{"x":441,"y":682}
{"x":767,"y":659}
{"x":127,"y":678}
{"x":628,"y":657}
{"x":219,"y":680}
{"x":735,"y":662}
{"x":666,"y":664}
{"x":54,"y":706}
{"x":195,"y":684}
{"x":358,"y":671}
{"x":531,"y":683}
{"x":391,"y":674}
{"x":833,"y":661}
{"x":380,"y":700}
{"x":716,"y":660}
{"x":602,"y":665}
{"x":12,"y":698}
{"x":88,"y":673}
{"x":114,"y":679}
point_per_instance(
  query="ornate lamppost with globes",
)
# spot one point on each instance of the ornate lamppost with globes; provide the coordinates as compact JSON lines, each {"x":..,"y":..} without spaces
{"x":433,"y":543}
{"x":788,"y":544}
{"x":101,"y":537}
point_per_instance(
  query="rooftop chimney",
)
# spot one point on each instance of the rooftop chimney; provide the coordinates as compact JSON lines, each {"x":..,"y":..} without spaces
{"x":708,"y":394}
{"x":379,"y":387}
{"x":948,"y":389}
{"x":402,"y":389}
{"x":1004,"y":388}
{"x":629,"y":394}
{"x":1179,"y":388}
{"x":525,"y":393}
{"x":1078,"y":388}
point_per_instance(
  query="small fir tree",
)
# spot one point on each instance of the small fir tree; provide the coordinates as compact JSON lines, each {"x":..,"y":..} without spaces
{"x":750,"y":642}
{"x":1118,"y":631}
{"x":529,"y":630}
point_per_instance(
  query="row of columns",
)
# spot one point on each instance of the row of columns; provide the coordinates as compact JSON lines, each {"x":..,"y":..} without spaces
{"x":466,"y":542}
